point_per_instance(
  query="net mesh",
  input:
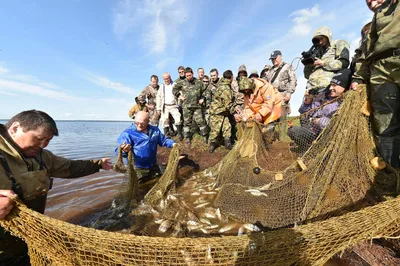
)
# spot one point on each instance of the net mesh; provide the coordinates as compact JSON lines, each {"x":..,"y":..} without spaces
{"x":329,"y":198}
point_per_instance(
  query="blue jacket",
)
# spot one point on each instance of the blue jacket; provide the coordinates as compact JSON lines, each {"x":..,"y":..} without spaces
{"x":144,"y":145}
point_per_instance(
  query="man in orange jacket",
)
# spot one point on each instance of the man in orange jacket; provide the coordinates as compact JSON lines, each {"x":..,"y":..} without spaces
{"x":263,"y":102}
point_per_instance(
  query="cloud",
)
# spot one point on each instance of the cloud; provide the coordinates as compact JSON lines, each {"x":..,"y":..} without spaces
{"x":108,"y":84}
{"x":11,"y":81}
{"x":67,"y":114}
{"x":6,"y":85}
{"x":3,"y":70}
{"x":7,"y":93}
{"x":303,"y":19}
{"x":158,"y":20}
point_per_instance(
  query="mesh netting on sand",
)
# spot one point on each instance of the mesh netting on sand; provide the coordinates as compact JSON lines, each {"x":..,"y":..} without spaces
{"x":331,"y":177}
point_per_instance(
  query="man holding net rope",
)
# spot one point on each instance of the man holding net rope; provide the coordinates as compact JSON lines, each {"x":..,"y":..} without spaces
{"x":379,"y":68}
{"x":263,"y":102}
{"x":26,"y":171}
{"x":143,"y":140}
{"x":304,"y":135}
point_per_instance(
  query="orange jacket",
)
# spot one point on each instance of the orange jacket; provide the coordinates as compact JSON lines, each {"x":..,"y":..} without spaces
{"x":265,"y":100}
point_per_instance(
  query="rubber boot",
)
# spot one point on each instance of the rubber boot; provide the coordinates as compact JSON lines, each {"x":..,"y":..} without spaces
{"x":179,"y":128}
{"x":213,"y":146}
{"x":228,"y":144}
{"x":205,"y":139}
{"x":388,"y":151}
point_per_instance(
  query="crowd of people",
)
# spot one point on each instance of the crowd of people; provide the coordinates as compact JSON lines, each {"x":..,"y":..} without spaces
{"x":214,"y":105}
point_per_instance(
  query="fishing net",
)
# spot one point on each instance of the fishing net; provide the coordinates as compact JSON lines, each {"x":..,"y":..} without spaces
{"x":317,"y":205}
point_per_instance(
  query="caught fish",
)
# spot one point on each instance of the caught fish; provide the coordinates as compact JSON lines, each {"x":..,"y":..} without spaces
{"x":210,"y":215}
{"x":164,"y":226}
{"x":226,"y":228}
{"x":218,"y":213}
{"x":159,"y":221}
{"x":190,"y":222}
{"x":205,"y":231}
{"x":202,"y":205}
{"x":265,"y":187}
{"x":256,"y":192}
{"x":241,"y":231}
{"x":196,"y":193}
{"x":177,"y":214}
{"x":171,"y":197}
{"x":252,"y":227}
{"x":213,"y":226}
{"x":209,"y":193}
{"x":192,"y":216}
{"x":200,"y":200}
{"x":205,"y":221}
{"x":162,"y":204}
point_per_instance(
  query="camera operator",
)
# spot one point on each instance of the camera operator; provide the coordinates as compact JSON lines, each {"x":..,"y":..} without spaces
{"x":322,"y":61}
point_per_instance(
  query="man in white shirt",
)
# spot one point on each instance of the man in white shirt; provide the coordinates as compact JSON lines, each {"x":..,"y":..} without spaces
{"x":167,"y":104}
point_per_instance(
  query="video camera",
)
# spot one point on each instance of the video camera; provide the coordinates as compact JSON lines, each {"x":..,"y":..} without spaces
{"x":311,"y":54}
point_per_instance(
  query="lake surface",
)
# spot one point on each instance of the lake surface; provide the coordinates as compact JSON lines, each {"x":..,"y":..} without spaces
{"x":73,"y":199}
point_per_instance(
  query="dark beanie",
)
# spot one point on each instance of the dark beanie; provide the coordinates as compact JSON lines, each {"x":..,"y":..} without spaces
{"x":342,"y":78}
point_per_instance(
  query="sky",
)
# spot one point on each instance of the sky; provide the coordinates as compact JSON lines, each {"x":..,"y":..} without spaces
{"x":88,"y":59}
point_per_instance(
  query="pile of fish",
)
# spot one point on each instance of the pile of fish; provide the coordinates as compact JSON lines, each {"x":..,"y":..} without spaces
{"x":190,"y":211}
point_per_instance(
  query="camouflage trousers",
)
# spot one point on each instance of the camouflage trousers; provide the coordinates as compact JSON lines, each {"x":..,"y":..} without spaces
{"x":190,"y":114}
{"x":384,"y":94}
{"x":219,"y":123}
{"x":153,"y":117}
{"x":206,"y":113}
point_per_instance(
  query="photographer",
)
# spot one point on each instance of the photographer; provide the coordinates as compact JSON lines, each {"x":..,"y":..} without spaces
{"x":322,"y":61}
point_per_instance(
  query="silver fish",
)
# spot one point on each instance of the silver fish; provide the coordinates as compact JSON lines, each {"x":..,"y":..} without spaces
{"x":213,"y":226}
{"x":196,"y":193}
{"x":241,"y":231}
{"x":192,"y":216}
{"x":226,"y":228}
{"x":205,"y":221}
{"x":164,"y":226}
{"x":205,"y":231}
{"x":202,"y":205}
{"x":159,"y":221}
{"x":252,"y":227}
{"x":209,"y":193}
{"x":172,"y":197}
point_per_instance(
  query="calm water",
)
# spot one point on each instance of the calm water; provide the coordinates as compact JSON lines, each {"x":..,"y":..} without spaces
{"x":72,"y":199}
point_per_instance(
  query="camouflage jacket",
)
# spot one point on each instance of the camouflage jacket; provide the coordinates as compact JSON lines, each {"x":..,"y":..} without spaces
{"x":192,"y":91}
{"x":335,"y":58}
{"x":150,"y":93}
{"x":223,"y":101}
{"x":237,"y":95}
{"x":285,"y":81}
{"x":383,"y":37}
{"x":179,"y":82}
{"x":210,"y":91}
{"x":135,"y":109}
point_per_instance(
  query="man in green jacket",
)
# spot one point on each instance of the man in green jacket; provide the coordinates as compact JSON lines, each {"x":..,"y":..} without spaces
{"x":26,"y":170}
{"x":191,"y":93}
{"x":380,"y":68}
{"x":220,"y":109}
